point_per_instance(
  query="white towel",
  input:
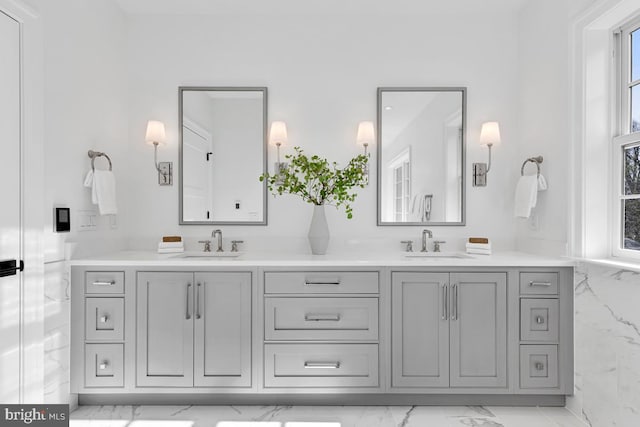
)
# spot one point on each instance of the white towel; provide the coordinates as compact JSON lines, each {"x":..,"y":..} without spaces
{"x":170,"y":250}
{"x":169,"y":245}
{"x":103,"y":190}
{"x":479,"y":246}
{"x":542,"y":183}
{"x":479,"y":251}
{"x":526,"y":195}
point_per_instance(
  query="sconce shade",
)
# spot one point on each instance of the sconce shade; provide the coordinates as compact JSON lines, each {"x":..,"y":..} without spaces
{"x":155,"y":133}
{"x":278,"y":133}
{"x":366,"y":134}
{"x":490,"y":133}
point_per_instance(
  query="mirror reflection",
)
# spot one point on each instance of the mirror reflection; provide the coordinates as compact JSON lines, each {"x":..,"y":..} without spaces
{"x":421,"y":140}
{"x":222,"y":151}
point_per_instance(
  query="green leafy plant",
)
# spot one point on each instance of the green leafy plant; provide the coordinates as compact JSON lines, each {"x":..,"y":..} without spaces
{"x":317,"y":181}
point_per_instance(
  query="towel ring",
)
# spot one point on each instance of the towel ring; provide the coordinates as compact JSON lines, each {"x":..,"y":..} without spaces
{"x":537,"y":160}
{"x":93,"y":154}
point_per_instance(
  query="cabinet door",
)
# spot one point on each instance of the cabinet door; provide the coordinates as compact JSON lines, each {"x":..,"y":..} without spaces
{"x":164,"y":330}
{"x":223,"y":330}
{"x":478,"y":329}
{"x":420,"y":330}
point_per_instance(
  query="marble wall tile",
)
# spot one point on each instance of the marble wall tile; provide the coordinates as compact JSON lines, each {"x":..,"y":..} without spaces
{"x":607,"y":346}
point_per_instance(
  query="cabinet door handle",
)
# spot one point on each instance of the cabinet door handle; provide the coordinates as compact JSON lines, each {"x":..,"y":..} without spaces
{"x":546,"y":284}
{"x":322,"y":317}
{"x":188,"y":314}
{"x":454,"y":302}
{"x":198,"y":300}
{"x":539,"y":366}
{"x":445,"y":306}
{"x":328,"y":281}
{"x":104,"y":283}
{"x":104,"y":319}
{"x":539,"y":320}
{"x":321,"y":365}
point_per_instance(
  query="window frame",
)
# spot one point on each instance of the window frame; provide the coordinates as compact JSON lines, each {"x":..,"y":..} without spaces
{"x":625,"y":138}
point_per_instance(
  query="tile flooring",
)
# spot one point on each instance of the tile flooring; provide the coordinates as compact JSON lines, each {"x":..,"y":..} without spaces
{"x":322,"y":416}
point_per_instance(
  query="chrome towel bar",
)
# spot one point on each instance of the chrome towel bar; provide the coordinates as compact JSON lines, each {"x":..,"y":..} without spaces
{"x":537,"y":160}
{"x":93,"y":154}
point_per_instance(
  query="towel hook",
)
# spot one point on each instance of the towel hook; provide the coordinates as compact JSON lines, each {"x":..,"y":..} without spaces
{"x":537,"y":160}
{"x":93,"y":154}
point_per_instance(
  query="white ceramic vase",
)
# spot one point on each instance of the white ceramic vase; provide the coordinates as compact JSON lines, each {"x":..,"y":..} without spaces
{"x":318,"y":231}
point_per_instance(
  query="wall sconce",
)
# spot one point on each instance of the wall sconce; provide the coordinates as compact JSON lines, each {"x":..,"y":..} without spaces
{"x":156,"y":136}
{"x":278,"y":137}
{"x":366,"y":136}
{"x":489,"y":135}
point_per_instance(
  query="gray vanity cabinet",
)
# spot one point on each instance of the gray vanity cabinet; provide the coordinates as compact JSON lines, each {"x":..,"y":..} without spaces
{"x":449,"y":330}
{"x":193,"y":329}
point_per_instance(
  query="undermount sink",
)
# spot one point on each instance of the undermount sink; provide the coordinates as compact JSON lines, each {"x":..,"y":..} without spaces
{"x":437,"y":255}
{"x":209,"y":255}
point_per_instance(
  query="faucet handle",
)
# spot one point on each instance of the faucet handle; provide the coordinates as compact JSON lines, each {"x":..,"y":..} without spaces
{"x":409,"y":244}
{"x":207,"y":245}
{"x":436,"y":245}
{"x":234,"y":245}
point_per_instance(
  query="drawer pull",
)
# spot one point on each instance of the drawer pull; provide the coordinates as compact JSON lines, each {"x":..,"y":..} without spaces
{"x":104,"y":318}
{"x":104,"y":365}
{"x":539,"y":366}
{"x":310,"y":282}
{"x":322,"y":365}
{"x":545,"y":284}
{"x":322,"y":317}
{"x":539,"y":320}
{"x":104,"y":283}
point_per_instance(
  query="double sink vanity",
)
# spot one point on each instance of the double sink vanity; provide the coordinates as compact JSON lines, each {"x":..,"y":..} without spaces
{"x":266,"y":328}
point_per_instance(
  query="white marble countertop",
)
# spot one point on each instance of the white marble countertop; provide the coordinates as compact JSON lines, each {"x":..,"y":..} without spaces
{"x":397,"y":259}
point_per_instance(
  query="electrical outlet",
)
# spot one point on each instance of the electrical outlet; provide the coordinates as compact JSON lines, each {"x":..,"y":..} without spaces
{"x":87,"y":220}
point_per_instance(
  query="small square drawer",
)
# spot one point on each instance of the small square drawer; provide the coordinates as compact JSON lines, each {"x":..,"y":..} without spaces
{"x":104,"y":319}
{"x":321,"y":365}
{"x":104,"y":365}
{"x":539,"y":319}
{"x":538,"y":366}
{"x":319,"y":318}
{"x":539,"y":283}
{"x":104,"y":282}
{"x":321,"y":282}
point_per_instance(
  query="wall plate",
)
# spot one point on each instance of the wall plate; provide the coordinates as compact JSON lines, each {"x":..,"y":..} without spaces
{"x":165,"y":174}
{"x":479,"y":174}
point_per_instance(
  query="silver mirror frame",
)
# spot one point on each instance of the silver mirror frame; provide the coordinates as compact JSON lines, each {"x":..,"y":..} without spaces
{"x":182,"y":89}
{"x":463,"y":204}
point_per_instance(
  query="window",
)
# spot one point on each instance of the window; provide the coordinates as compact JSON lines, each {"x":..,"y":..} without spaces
{"x":627,"y":144}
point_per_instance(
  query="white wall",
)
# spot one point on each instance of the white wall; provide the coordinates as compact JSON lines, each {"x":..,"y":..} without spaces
{"x":544,"y":119}
{"x":322,"y":73}
{"x":85,"y":108}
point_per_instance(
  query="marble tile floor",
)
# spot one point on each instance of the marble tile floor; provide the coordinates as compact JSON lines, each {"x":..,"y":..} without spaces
{"x":322,"y":416}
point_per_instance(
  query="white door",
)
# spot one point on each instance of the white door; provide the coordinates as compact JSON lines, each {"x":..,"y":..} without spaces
{"x":10,"y":227}
{"x":196,"y":180}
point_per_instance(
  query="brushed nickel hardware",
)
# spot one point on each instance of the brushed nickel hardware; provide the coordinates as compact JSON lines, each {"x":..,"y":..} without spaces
{"x":104,"y":365}
{"x":537,"y":160}
{"x":322,"y":365}
{"x":539,"y":320}
{"x":425,"y":232}
{"x":199,"y":285}
{"x":409,"y":244}
{"x":234,"y":245}
{"x":207,"y":245}
{"x":436,"y":245}
{"x":188,"y":314}
{"x":104,"y":283}
{"x":93,"y":154}
{"x":322,"y":317}
{"x":539,"y":366}
{"x":218,"y":233}
{"x":539,"y":283}
{"x":445,"y":306}
{"x":104,"y":318}
{"x":310,"y":282}
{"x":454,"y":302}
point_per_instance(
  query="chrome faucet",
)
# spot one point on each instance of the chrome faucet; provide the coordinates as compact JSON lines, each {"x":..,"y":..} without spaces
{"x":425,"y":232}
{"x":219,"y":234}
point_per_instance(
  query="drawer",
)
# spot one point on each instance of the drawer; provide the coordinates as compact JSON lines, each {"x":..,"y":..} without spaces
{"x":104,"y":282}
{"x":539,"y":283}
{"x":321,"y":282}
{"x":319,"y":318}
{"x":104,"y":365}
{"x":104,"y":319}
{"x":538,"y":366}
{"x":321,"y":365}
{"x":539,"y":319}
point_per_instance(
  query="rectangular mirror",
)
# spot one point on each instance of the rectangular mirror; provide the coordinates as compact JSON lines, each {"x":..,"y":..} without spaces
{"x":421,"y":155}
{"x":223,"y":151}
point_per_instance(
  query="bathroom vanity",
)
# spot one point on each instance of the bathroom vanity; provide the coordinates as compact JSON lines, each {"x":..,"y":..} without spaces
{"x":260,"y":329}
